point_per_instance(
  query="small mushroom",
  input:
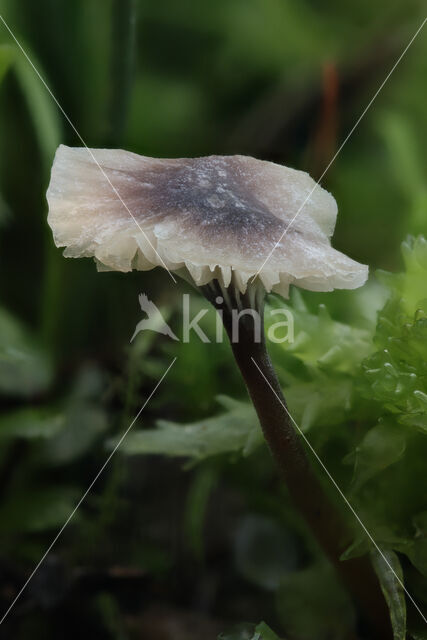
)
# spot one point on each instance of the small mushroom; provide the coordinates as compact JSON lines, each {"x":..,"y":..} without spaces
{"x":237,"y":228}
{"x":224,"y":218}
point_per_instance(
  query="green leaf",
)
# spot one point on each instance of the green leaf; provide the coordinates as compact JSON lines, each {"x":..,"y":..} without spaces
{"x":409,"y":287}
{"x":392,"y":590}
{"x":7,"y":55}
{"x":249,"y":632}
{"x":30,"y":424}
{"x":236,"y":431}
{"x":405,"y":156}
{"x":265,"y":633}
{"x":83,"y":424}
{"x":382,"y":446}
{"x":34,"y":510}
{"x":25,"y":369}
{"x":326,"y":400}
{"x":396,"y":374}
{"x":320,"y":341}
{"x":42,"y":107}
{"x":417,"y":551}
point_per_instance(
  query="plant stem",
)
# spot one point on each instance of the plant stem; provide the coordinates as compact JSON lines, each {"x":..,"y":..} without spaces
{"x":122,"y":60}
{"x":289,"y":453}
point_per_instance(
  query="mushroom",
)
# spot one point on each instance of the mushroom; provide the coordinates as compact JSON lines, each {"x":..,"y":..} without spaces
{"x":214,"y":218}
{"x":237,"y":228}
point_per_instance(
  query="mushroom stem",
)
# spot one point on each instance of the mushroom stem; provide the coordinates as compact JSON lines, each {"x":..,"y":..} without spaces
{"x":291,"y":458}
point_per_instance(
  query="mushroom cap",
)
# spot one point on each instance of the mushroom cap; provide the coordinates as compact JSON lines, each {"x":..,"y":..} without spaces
{"x":213,"y":217}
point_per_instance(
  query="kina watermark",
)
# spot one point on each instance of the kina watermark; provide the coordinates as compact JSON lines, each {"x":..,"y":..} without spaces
{"x":278,"y":322}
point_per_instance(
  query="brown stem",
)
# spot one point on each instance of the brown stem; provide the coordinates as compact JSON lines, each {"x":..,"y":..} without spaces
{"x":289,"y":453}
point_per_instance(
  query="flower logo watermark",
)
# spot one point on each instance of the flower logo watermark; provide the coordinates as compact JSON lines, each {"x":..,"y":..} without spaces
{"x":154,"y":321}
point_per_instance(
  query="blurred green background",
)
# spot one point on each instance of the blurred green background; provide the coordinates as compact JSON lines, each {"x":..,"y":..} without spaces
{"x":156,"y":552}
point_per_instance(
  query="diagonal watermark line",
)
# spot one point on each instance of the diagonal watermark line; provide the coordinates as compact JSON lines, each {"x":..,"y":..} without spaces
{"x":113,"y":188}
{"x":342,"y":145}
{"x":342,"y":494}
{"x":60,"y":532}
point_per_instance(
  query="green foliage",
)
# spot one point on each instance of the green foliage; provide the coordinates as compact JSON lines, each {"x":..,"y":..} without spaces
{"x":42,"y":435}
{"x":83,"y":425}
{"x":236,"y":431}
{"x":30,"y":423}
{"x":6,"y":58}
{"x":197,"y":502}
{"x":42,"y":109}
{"x":392,"y":589}
{"x":264,"y":632}
{"x":241,"y":77}
{"x":321,"y":342}
{"x":45,"y":508}
{"x":408,"y":168}
{"x":418,"y":550}
{"x":25,"y":369}
{"x":260,"y":631}
{"x":331,"y":612}
{"x":359,"y":390}
{"x":382,"y":446}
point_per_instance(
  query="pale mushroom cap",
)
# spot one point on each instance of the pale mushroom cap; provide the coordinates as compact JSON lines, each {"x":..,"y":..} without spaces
{"x":216,"y":217}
